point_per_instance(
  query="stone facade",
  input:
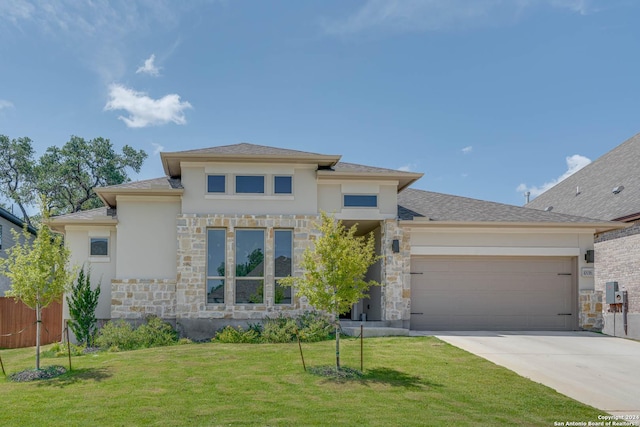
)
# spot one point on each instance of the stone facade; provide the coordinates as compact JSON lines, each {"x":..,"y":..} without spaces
{"x":136,"y":298}
{"x":191,"y":301}
{"x":396,"y":275}
{"x":590,"y":311}
{"x":617,"y":259}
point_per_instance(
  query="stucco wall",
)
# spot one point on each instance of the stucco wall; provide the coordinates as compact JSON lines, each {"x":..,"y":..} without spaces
{"x":617,"y":258}
{"x":103,"y":269}
{"x":147,"y":240}
{"x":303,"y":201}
{"x":330,"y":199}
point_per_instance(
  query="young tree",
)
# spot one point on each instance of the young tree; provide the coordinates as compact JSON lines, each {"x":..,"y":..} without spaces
{"x":334,"y":271}
{"x":82,"y":303}
{"x":38,"y":269}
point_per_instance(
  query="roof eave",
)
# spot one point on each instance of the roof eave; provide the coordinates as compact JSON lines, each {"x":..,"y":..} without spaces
{"x":405,"y":179}
{"x":598,"y":227}
{"x":59,"y":224}
{"x":108,"y":195}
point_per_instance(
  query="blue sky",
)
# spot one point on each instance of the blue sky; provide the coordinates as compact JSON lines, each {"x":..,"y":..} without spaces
{"x":488,"y":98}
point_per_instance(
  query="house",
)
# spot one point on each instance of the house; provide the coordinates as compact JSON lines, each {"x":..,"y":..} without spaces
{"x":205,"y":245}
{"x":608,"y":188}
{"x":8,"y":222}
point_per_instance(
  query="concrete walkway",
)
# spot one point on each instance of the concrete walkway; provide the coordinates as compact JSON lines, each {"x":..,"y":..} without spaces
{"x":595,"y":369}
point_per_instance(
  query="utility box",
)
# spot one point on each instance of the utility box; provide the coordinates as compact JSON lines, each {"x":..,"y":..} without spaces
{"x":611,"y":289}
{"x":619,"y":297}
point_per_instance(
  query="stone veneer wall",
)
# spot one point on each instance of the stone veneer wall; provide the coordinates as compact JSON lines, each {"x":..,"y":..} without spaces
{"x":617,"y":259}
{"x":396,"y":276}
{"x":590,"y":311}
{"x":191,"y":300}
{"x":135,"y":298}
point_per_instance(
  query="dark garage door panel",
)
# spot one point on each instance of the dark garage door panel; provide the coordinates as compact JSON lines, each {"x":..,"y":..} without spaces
{"x":492,"y":293}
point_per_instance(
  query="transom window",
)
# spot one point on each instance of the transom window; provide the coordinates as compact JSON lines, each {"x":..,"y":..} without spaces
{"x":282,"y":185}
{"x":216,"y":259}
{"x":360,"y":200}
{"x":99,"y":246}
{"x":216,"y":184}
{"x":252,"y":184}
{"x":249,"y":266}
{"x":283,"y":264}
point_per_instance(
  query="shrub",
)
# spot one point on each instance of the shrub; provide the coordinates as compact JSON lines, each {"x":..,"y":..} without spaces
{"x":120,"y":335}
{"x":82,"y":302}
{"x":315,"y":326}
{"x":231,"y":335}
{"x":279,"y":330}
{"x":60,"y":349}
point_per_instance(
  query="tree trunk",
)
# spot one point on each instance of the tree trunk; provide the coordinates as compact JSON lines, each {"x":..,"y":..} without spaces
{"x":337,"y":343}
{"x":38,"y":318}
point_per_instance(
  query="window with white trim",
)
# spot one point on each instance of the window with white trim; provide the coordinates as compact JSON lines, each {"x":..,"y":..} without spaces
{"x":216,"y":184}
{"x":216,"y":262}
{"x":250,"y":184}
{"x":99,"y":246}
{"x":249,"y":266}
{"x":360,"y":201}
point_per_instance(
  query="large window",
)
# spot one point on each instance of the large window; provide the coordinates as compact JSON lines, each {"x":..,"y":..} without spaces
{"x":216,"y":184}
{"x":249,"y":266}
{"x":283,"y":264}
{"x":216,"y":258}
{"x":360,"y":200}
{"x":252,"y":184}
{"x":99,"y":246}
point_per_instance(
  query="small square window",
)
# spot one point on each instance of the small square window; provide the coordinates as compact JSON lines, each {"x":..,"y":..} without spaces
{"x":253,"y":184}
{"x":99,"y":246}
{"x":216,"y":184}
{"x":282,"y":185}
{"x":360,"y":201}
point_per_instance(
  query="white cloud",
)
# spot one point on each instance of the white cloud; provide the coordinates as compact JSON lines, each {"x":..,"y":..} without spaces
{"x":5,"y":104}
{"x":409,"y":167}
{"x":145,"y":111}
{"x":149,"y":67}
{"x":467,"y":149}
{"x":436,"y":15}
{"x":157,"y":148}
{"x":574,"y":164}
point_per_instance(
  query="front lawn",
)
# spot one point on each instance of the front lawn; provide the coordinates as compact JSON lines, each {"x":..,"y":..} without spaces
{"x":407,"y":381}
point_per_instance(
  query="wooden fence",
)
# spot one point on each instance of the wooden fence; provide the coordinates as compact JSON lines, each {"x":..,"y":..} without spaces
{"x":16,"y":317}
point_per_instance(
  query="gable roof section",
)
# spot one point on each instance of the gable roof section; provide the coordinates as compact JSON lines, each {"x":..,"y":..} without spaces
{"x":596,"y":182}
{"x":244,"y":153}
{"x":352,"y":170}
{"x":425,"y":206}
{"x":16,"y":221}
{"x":98,"y":216}
{"x":149,"y":187}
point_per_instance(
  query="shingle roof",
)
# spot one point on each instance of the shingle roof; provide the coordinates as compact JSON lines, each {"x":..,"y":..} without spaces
{"x":413,"y":203}
{"x":353,"y":167}
{"x":147,"y":184}
{"x":82,"y":215}
{"x":595,"y":182}
{"x":249,"y":149}
{"x":15,"y":220}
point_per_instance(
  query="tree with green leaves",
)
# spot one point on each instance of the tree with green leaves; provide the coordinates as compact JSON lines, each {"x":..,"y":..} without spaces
{"x":82,"y":302}
{"x":334,"y":271}
{"x":39,"y":273}
{"x":16,"y":172}
{"x":65,"y":175}
{"x":68,"y":175}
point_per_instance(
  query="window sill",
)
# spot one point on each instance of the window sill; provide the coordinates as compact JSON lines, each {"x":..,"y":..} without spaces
{"x":97,"y":259}
{"x":257,"y":197}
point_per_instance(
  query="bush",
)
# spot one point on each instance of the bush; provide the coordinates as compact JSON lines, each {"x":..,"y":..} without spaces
{"x":311,"y":327}
{"x":231,"y":335}
{"x":120,"y":335}
{"x":60,"y":349}
{"x":82,"y":302}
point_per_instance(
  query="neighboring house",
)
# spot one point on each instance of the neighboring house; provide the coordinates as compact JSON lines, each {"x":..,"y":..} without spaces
{"x":608,"y":188}
{"x":205,"y":245}
{"x":8,"y":222}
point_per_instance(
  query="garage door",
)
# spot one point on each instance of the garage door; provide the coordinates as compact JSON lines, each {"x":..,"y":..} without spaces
{"x":492,"y":293}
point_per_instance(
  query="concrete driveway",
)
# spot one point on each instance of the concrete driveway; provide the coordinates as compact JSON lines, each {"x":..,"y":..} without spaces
{"x":595,"y":369}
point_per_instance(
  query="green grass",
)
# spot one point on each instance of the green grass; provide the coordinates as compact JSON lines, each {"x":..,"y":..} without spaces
{"x":407,"y":381}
